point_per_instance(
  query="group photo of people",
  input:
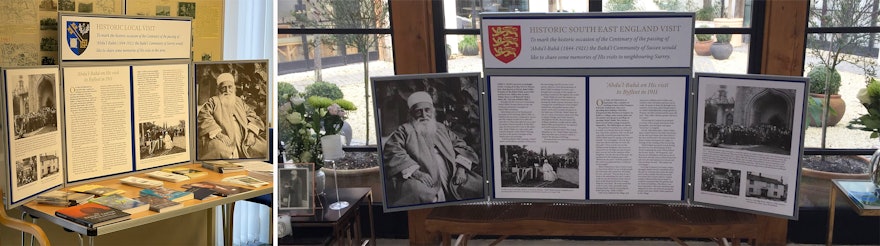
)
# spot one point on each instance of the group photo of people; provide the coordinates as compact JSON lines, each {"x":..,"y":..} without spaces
{"x":26,"y":171}
{"x":539,"y":166}
{"x":748,"y":118}
{"x":158,"y":139}
{"x":33,"y":105}
{"x":720,"y":180}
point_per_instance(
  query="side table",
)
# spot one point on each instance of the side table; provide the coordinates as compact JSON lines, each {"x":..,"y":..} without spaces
{"x":860,"y":197}
{"x":345,"y":223}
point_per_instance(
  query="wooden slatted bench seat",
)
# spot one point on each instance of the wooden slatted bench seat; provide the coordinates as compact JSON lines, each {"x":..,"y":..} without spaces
{"x":613,"y":220}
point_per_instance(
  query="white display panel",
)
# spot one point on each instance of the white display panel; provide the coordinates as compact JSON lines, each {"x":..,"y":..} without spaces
{"x":748,"y":142}
{"x":587,"y":41}
{"x":637,"y":137}
{"x":93,"y":38}
{"x":161,"y":115}
{"x":537,"y":120}
{"x":34,"y":136}
{"x":98,"y":121}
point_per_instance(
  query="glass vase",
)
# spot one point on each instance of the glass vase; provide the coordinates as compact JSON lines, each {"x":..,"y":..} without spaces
{"x":320,"y":182}
{"x":874,"y":171}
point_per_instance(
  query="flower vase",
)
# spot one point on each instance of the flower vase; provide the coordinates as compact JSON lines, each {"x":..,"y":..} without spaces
{"x":331,"y":147}
{"x":874,"y":170}
{"x":320,"y":182}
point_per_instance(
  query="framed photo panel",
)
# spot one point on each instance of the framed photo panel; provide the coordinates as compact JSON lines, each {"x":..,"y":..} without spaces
{"x":430,"y":139}
{"x":297,"y":190}
{"x":231,"y":101}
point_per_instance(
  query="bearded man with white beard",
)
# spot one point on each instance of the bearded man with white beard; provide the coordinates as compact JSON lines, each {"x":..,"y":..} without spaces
{"x":229,"y":128}
{"x":426,"y":162}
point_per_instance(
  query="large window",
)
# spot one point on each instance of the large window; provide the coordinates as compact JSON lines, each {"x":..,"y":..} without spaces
{"x":729,"y":21}
{"x":340,"y":42}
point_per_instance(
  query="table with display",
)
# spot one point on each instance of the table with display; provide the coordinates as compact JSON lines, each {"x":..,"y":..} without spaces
{"x":847,"y":187}
{"x":47,"y":212}
{"x":343,"y":222}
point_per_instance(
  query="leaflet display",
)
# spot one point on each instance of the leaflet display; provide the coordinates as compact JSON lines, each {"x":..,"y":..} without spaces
{"x":129,"y":108}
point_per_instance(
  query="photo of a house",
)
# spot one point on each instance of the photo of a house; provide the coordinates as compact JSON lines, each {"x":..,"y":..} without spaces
{"x":766,"y":187}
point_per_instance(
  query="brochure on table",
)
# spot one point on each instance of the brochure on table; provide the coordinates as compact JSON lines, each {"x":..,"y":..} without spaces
{"x":602,"y":108}
{"x":121,"y":102}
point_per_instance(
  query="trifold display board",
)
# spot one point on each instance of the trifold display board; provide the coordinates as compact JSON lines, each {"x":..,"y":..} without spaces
{"x":597,"y":108}
{"x":123,"y":82}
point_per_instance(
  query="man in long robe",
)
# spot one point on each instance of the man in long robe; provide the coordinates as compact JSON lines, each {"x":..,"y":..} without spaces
{"x":426,"y":162}
{"x":230,"y":128}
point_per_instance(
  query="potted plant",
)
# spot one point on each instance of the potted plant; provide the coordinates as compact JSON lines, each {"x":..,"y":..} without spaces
{"x":818,"y":77}
{"x":721,"y":49}
{"x":468,"y":46}
{"x":703,"y":44}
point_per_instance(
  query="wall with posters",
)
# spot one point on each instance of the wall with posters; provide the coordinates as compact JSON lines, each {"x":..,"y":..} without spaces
{"x":30,"y":26}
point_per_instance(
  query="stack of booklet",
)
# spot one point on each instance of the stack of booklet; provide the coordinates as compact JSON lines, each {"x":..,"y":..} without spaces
{"x":63,"y":198}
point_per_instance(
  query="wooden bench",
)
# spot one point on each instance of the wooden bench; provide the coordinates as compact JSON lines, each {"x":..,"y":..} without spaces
{"x":613,"y":220}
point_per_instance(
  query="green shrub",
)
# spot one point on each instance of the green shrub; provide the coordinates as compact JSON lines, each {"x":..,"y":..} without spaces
{"x":324,"y":89}
{"x":285,"y":91}
{"x":818,"y":76}
{"x":722,"y":38}
{"x":706,"y":13}
{"x":704,"y":37}
{"x":468,"y":46}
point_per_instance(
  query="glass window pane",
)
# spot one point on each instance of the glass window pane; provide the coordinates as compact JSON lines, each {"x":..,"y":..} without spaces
{"x":843,"y":13}
{"x":719,"y":13}
{"x":342,"y":67}
{"x":464,"y":53}
{"x":853,"y":58}
{"x":345,"y":14}
{"x":708,"y":61}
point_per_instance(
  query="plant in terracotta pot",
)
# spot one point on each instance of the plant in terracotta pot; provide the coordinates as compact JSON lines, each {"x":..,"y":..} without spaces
{"x":819,"y":76}
{"x":703,"y":44}
{"x":721,"y":48}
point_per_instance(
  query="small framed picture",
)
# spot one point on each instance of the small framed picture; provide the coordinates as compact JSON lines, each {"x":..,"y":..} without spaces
{"x":296,"y":195}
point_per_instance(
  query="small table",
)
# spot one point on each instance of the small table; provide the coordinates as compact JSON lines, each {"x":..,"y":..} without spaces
{"x":855,"y":191}
{"x":343,"y":221}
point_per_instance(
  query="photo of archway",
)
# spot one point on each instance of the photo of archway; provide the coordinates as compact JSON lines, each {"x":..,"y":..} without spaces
{"x":748,"y":118}
{"x":33,"y":106}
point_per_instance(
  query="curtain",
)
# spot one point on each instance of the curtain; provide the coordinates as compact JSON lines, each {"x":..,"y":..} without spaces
{"x":249,"y":34}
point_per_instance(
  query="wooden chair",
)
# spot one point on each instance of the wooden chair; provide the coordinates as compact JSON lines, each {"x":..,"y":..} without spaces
{"x":23,"y":226}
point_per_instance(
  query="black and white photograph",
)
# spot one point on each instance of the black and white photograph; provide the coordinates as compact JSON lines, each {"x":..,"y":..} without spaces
{"x":66,"y":5}
{"x":766,"y":186}
{"x":48,"y":24}
{"x":232,"y":101}
{"x":539,"y":166}
{"x":429,"y":128}
{"x":163,"y":10}
{"x":160,"y":138}
{"x":748,"y":118}
{"x":49,"y":164}
{"x":48,"y":44}
{"x":296,"y":193}
{"x":85,"y":7}
{"x":26,"y":171}
{"x":720,"y":180}
{"x":48,"y":5}
{"x":33,"y":104}
{"x":186,"y":9}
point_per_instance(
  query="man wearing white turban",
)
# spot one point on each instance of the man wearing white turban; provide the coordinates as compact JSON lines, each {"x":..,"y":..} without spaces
{"x":426,"y":162}
{"x":228,"y":127}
